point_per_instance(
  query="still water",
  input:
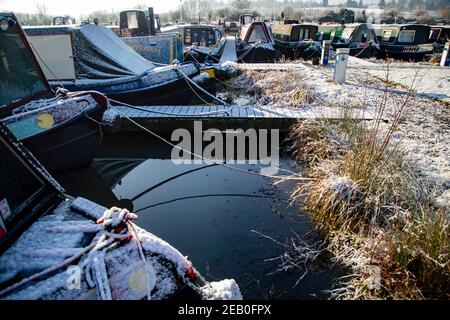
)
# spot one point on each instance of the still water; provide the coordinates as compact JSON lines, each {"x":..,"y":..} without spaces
{"x":208,"y":212}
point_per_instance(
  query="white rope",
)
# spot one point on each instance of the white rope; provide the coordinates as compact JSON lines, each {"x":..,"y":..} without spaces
{"x":96,"y":273}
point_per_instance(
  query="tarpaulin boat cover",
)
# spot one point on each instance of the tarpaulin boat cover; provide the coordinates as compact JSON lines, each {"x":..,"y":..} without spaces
{"x":98,"y":52}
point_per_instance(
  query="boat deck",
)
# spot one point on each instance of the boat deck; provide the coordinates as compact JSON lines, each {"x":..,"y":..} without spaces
{"x":166,"y":118}
{"x":272,"y":66}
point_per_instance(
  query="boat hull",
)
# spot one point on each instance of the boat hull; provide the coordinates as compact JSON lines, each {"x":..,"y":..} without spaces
{"x":256,"y":54}
{"x":417,"y":52}
{"x":296,"y":50}
{"x":174,"y":92}
{"x":62,"y":133}
{"x":67,"y":147}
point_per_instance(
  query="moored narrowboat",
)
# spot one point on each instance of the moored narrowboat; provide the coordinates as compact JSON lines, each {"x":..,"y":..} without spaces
{"x":408,"y":42}
{"x":198,"y":40}
{"x":255,"y":43}
{"x":61,"y":130}
{"x":331,"y":32}
{"x":439,"y":36}
{"x":292,"y":39}
{"x":360,"y":38}
{"x":92,"y":57}
{"x":57,"y":247}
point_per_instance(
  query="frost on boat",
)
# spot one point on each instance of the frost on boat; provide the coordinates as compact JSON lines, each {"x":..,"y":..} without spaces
{"x":255,"y":42}
{"x":51,"y":126}
{"x":53,"y":246}
{"x":92,"y":57}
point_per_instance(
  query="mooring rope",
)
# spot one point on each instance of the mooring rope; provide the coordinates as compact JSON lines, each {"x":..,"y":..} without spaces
{"x":117,"y":226}
{"x":292,"y":176}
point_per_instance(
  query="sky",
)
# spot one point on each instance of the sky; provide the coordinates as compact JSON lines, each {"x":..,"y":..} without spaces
{"x":83,"y":7}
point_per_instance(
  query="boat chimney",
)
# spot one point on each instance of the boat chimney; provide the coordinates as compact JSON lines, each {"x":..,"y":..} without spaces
{"x":151,"y":17}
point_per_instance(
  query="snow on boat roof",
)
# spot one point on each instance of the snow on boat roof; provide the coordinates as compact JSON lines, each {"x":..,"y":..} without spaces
{"x":109,"y":43}
{"x":98,"y":52}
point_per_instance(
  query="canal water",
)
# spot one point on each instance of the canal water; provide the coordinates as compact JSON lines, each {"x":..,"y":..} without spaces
{"x":213,"y":214}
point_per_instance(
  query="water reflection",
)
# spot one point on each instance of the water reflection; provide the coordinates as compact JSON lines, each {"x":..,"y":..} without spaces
{"x":208,"y":212}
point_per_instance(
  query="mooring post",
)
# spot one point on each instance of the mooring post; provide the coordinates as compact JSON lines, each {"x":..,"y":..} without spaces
{"x":445,"y":60}
{"x":340,"y":66}
{"x":326,"y":44}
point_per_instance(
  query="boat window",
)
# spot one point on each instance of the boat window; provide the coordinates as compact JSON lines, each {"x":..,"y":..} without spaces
{"x":197,"y":36}
{"x":19,"y":74}
{"x":406,"y":36}
{"x":247,"y":19}
{"x":347,"y":33}
{"x":258,"y":34}
{"x":434,"y":34}
{"x":18,"y":184}
{"x":132,"y":20}
{"x":300,"y":34}
{"x":306,"y":35}
{"x":363,"y":37}
{"x":386,"y":35}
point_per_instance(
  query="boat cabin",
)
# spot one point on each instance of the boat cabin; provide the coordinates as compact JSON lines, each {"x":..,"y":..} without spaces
{"x":439,"y":36}
{"x":246,"y":19}
{"x":291,"y":40}
{"x":232,"y":27}
{"x":19,"y":70}
{"x":294,"y":32}
{"x":410,"y":41}
{"x":196,"y":35}
{"x":255,"y":43}
{"x":53,"y":127}
{"x":360,"y":38}
{"x":331,"y":32}
{"x":134,"y":23}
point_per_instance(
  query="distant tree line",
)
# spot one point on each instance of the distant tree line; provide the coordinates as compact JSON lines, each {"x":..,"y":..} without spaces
{"x":210,"y":10}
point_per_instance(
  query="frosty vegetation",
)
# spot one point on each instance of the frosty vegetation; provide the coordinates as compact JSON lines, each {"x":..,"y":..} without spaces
{"x":379,"y":187}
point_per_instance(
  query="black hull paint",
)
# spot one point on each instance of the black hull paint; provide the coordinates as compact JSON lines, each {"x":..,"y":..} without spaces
{"x":295,"y":52}
{"x":174,"y":93}
{"x":68,"y":146}
{"x":396,"y":52}
{"x":256,"y":54}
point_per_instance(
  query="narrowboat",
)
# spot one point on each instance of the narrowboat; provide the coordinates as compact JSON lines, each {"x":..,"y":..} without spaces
{"x":360,"y":38}
{"x":198,"y":40}
{"x":57,"y":247}
{"x":292,"y":40}
{"x":141,"y":31}
{"x":331,"y":32}
{"x":407,"y":42}
{"x":255,"y":42}
{"x":92,"y":57}
{"x":439,"y":36}
{"x":232,"y":28}
{"x":137,"y":23}
{"x":61,"y":130}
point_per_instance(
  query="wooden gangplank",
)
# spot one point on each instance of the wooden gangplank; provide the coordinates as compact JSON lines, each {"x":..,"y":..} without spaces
{"x":166,"y":118}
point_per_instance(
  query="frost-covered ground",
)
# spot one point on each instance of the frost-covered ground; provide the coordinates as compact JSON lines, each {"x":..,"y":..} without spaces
{"x":427,"y":79}
{"x":424,"y":132}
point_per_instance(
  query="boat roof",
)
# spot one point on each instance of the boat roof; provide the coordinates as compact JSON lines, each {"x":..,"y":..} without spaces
{"x":189,"y":25}
{"x":378,"y":26}
{"x":98,"y":52}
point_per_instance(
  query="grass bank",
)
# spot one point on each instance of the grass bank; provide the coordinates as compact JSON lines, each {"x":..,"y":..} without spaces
{"x":378,"y":216}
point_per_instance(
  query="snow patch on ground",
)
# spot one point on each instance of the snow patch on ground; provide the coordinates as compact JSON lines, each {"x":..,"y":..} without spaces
{"x":222,"y":290}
